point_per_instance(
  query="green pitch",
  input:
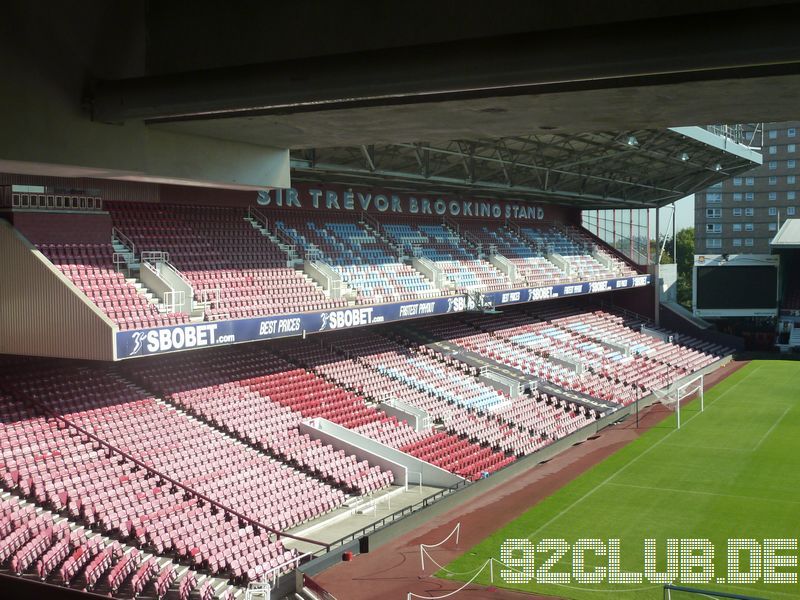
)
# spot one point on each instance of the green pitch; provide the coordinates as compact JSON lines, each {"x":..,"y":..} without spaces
{"x":732,"y":471}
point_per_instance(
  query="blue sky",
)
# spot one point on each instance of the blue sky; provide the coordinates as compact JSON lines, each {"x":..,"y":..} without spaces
{"x":684,"y":210}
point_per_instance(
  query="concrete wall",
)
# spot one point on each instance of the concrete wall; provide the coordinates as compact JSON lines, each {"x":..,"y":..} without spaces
{"x":42,"y":313}
{"x":389,"y":458}
{"x":49,"y":55}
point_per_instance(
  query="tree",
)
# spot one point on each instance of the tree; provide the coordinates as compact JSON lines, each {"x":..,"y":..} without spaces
{"x":655,"y":248}
{"x":685,"y":261}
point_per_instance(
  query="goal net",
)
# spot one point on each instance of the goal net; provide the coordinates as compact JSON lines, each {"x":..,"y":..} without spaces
{"x":677,"y":592}
{"x":672,"y":395}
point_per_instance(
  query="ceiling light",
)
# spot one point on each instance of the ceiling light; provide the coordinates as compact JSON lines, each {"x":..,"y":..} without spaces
{"x":684,"y":156}
{"x":632,"y":141}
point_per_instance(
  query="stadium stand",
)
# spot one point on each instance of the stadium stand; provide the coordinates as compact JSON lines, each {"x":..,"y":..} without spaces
{"x":231,"y":266}
{"x":366,"y":263}
{"x":439,"y":243}
{"x":91,"y":268}
{"x":70,"y":471}
{"x":183,"y":475}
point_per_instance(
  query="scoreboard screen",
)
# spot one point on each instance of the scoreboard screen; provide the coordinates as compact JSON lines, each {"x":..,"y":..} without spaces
{"x":727,"y":287}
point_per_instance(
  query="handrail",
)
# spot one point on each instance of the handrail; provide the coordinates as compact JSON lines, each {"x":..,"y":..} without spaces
{"x":367,"y":218}
{"x":194,"y":493}
{"x":124,"y":239}
{"x":154,"y":256}
{"x":451,"y":224}
{"x":285,"y":239}
{"x":514,"y":227}
{"x":258,"y":216}
{"x":118,"y":258}
{"x":398,"y":514}
{"x":472,"y":239}
{"x":268,"y":575}
{"x":205,"y":298}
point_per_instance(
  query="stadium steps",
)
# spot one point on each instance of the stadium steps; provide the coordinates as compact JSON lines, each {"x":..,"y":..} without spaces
{"x":291,"y":254}
{"x":386,"y":240}
{"x":133,"y":265}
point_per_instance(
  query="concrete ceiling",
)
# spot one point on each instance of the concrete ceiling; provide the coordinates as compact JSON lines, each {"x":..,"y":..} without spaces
{"x":351,"y":74}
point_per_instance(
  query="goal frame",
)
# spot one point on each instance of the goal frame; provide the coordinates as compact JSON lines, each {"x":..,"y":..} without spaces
{"x":679,"y":392}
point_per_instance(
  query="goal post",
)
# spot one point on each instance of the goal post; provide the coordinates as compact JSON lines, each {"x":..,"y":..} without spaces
{"x":679,"y":592}
{"x":672,"y":395}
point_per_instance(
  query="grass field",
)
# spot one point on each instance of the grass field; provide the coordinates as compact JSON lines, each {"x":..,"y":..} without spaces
{"x":732,"y":471}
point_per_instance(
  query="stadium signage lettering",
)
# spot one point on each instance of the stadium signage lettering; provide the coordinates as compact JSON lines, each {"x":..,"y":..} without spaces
{"x":557,"y":291}
{"x":178,"y":338}
{"x":598,"y":286}
{"x":541,"y":293}
{"x":351,"y":317}
{"x":291,"y":325}
{"x":144,"y":342}
{"x":327,"y":199}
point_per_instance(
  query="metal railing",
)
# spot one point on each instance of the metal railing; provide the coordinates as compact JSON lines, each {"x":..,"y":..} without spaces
{"x":124,"y":240}
{"x":258,"y":216}
{"x":119,"y":259}
{"x":213,"y":297}
{"x":398,"y":515}
{"x":173,"y":300}
{"x":285,"y":239}
{"x":449,"y":223}
{"x":371,"y":221}
{"x":154,"y":257}
{"x":746,"y":134}
{"x":471,"y":239}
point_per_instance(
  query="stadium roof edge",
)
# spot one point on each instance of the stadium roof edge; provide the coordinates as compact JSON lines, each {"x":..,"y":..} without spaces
{"x":718,"y":141}
{"x":591,"y":170}
{"x":788,"y":236}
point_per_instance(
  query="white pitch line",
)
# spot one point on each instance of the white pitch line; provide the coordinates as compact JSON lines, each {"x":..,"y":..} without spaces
{"x":634,"y":459}
{"x":702,"y":493}
{"x":771,"y":429}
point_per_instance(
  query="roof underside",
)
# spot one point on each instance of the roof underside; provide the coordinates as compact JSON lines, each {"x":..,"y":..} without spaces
{"x":629,"y":169}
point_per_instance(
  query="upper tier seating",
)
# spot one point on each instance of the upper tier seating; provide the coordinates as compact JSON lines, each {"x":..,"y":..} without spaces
{"x":460,"y":264}
{"x":367,"y":264}
{"x":91,"y":268}
{"x":531,"y":264}
{"x":227,"y":261}
{"x":575,"y":248}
